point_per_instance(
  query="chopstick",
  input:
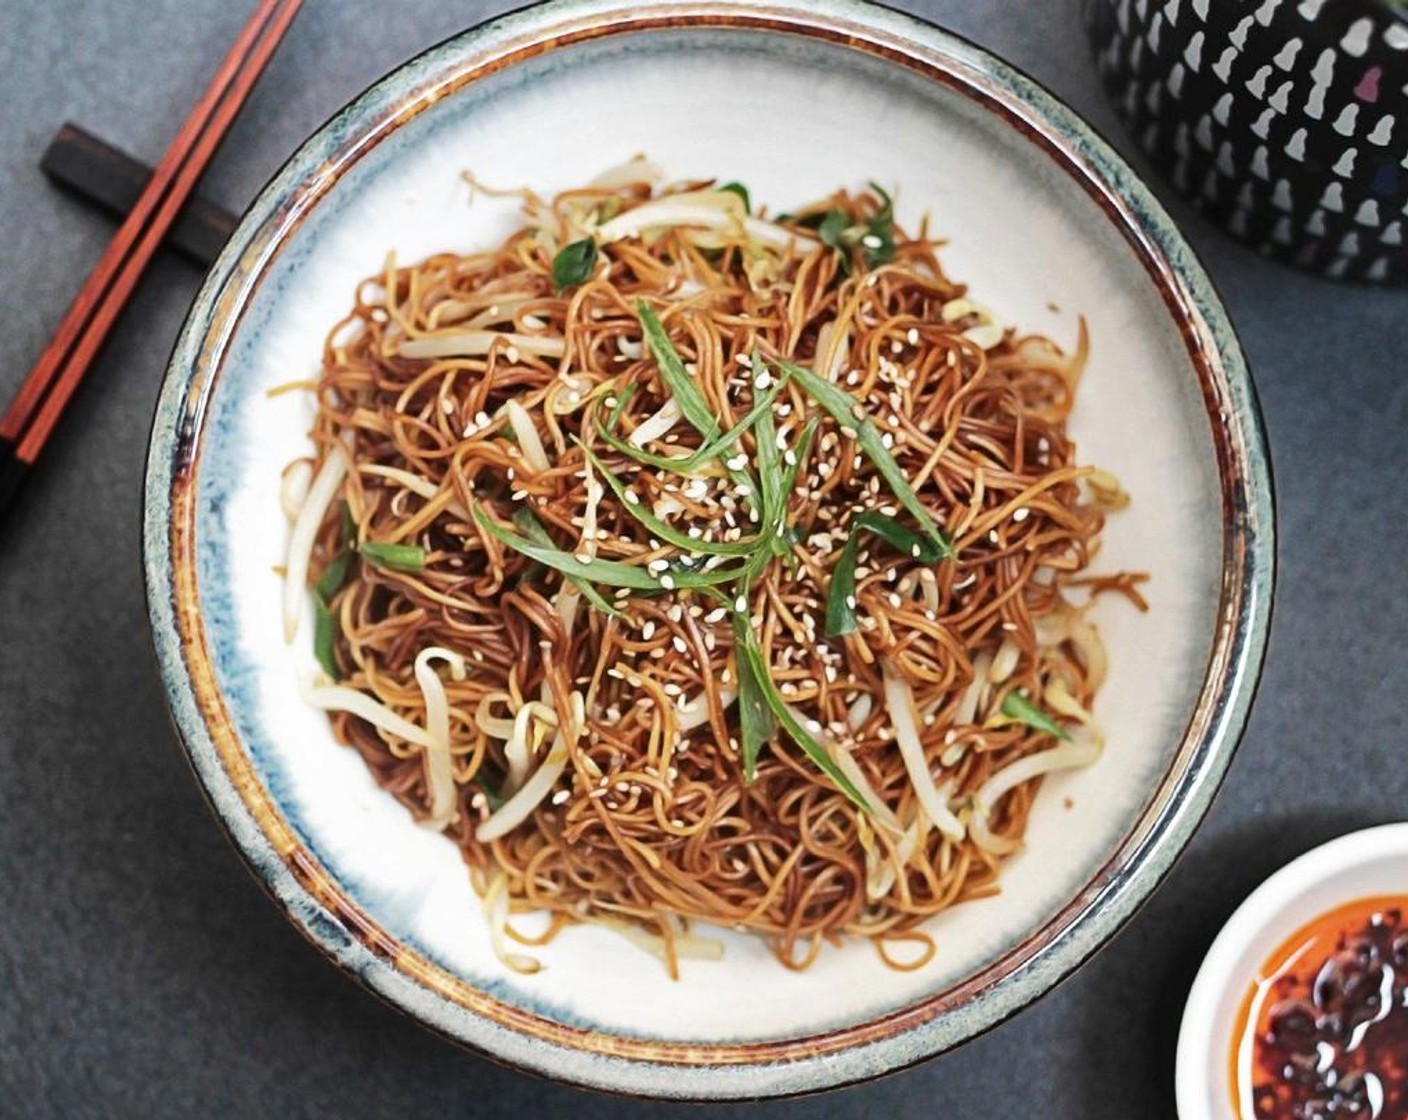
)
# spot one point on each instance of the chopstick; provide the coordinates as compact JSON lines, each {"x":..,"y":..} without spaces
{"x":29,"y":421}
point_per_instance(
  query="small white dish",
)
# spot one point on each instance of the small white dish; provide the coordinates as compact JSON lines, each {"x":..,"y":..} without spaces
{"x":1360,"y":865}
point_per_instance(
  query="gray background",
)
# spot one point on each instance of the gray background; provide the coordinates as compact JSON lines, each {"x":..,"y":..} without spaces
{"x":142,"y":971}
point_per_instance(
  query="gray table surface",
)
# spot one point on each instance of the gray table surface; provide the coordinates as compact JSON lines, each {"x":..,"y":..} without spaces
{"x":142,"y":971}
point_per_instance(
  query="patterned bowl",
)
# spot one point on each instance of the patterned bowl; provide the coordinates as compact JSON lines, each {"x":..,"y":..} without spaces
{"x":791,"y":97}
{"x":1286,"y":121}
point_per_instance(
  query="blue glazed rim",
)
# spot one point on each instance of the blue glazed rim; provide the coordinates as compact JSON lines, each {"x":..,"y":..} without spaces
{"x":517,"y":1036}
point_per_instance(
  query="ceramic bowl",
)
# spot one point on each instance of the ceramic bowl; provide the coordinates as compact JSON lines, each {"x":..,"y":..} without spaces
{"x":1373,"y":862}
{"x":1285,"y":122}
{"x":794,"y":99}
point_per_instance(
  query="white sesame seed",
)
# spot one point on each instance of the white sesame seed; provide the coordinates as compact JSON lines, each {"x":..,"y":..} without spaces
{"x":583,"y":557}
{"x":680,"y":644}
{"x":913,"y":336}
{"x":1020,"y":513}
{"x":648,"y":630}
{"x":561,"y":796}
{"x":738,"y":462}
{"x":740,"y":604}
{"x":667,"y":583}
{"x":851,"y":602}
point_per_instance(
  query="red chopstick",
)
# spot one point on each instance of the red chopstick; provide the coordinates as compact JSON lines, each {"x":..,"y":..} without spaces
{"x":30,"y":419}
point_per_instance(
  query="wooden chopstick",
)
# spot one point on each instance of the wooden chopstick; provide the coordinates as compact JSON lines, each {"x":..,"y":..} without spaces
{"x":26,"y":425}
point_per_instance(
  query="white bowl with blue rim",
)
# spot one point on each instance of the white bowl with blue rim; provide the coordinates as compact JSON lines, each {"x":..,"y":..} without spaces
{"x":793,"y":99}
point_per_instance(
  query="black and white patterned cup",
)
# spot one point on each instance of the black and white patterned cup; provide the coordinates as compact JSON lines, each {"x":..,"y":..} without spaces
{"x":1285,"y":120}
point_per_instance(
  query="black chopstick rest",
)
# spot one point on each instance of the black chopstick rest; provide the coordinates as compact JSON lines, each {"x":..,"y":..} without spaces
{"x":93,"y":170}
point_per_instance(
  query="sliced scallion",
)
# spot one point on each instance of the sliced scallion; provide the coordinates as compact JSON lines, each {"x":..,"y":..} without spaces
{"x":832,"y":230}
{"x":658,"y":527}
{"x":397,"y":557}
{"x":707,"y":452}
{"x":693,"y":407}
{"x":533,"y":529}
{"x":1017,"y":707}
{"x":324,"y":638}
{"x":841,"y":595}
{"x":784,"y":537}
{"x":622,"y":400}
{"x":771,"y":494}
{"x":849,"y":413}
{"x":756,"y":723}
{"x":607,"y":573}
{"x":877,"y":243}
{"x":799,"y":454}
{"x":573,"y":264}
{"x":334,"y":576}
{"x":746,"y":648}
{"x":742,"y":192}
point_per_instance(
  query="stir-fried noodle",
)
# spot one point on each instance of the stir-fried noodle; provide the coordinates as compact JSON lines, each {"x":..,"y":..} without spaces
{"x":682,"y":564}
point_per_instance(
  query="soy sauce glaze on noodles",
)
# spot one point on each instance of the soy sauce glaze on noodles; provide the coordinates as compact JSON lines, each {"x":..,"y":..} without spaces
{"x":683,"y":564}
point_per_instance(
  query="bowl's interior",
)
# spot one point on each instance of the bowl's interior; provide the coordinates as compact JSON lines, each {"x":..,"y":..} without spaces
{"x":793,"y":118}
